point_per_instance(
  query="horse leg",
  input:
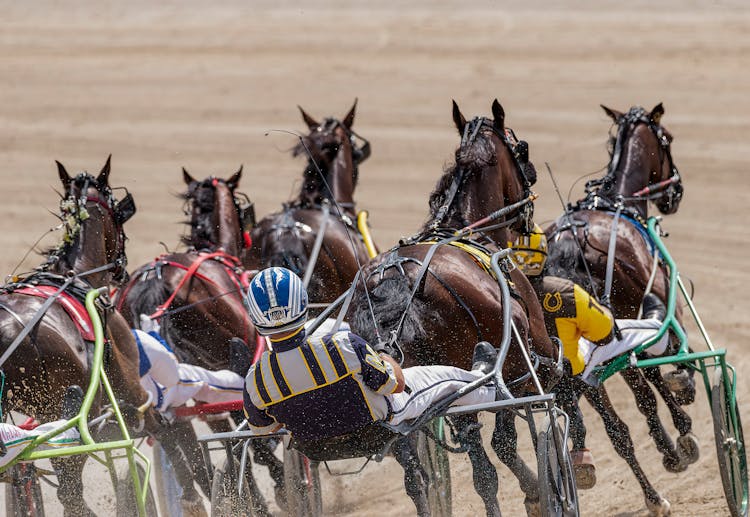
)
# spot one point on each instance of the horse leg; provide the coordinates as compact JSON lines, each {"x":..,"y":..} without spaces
{"x":415,"y":478}
{"x":567,"y":397}
{"x":687,"y":445}
{"x":646,"y":402}
{"x":505,"y":444}
{"x":70,"y":485}
{"x":484,"y":473}
{"x":619,"y":435}
{"x":188,"y":442}
{"x":170,"y":438}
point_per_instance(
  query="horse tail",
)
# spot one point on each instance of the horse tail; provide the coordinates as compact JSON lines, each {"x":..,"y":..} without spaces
{"x":390,"y":301}
{"x":565,"y":260}
{"x":144,"y":297}
{"x":284,"y":246}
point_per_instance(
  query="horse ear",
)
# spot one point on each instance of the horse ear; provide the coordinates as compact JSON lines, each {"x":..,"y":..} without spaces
{"x":103,"y":178}
{"x":613,"y":114}
{"x":499,"y":114}
{"x":186,"y":177}
{"x":656,"y":113}
{"x":458,"y":119}
{"x":349,"y":119}
{"x":235,"y":179}
{"x":311,"y":122}
{"x":64,"y":176}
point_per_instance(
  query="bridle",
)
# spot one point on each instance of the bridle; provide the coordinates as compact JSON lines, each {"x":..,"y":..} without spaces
{"x":625,"y":126}
{"x":74,"y":211}
{"x":519,"y":150}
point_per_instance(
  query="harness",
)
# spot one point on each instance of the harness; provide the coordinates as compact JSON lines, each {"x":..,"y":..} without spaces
{"x":232,"y":266}
{"x":519,"y":150}
{"x":479,"y":253}
{"x":597,"y":199}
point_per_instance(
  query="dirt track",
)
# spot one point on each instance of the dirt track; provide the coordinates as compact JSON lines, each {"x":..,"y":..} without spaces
{"x":183,"y":84}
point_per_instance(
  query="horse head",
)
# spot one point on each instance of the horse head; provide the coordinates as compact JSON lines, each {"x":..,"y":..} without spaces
{"x":492,"y":171}
{"x":333,"y":156}
{"x":641,"y":165}
{"x":93,"y":222}
{"x":218,"y":214}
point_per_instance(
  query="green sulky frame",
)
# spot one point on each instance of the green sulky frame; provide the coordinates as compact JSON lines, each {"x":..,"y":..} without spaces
{"x":104,"y":452}
{"x":720,"y":387}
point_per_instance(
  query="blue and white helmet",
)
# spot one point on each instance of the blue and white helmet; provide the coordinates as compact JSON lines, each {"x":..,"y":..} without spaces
{"x":277,"y":301}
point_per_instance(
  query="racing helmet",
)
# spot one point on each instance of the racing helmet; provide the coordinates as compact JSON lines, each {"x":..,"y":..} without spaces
{"x":277,"y":301}
{"x":530,"y":251}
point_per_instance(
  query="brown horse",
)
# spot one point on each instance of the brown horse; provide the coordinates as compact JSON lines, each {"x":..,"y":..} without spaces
{"x":55,"y":354}
{"x":197,"y":295}
{"x":623,"y":269}
{"x":325,"y":204}
{"x":457,"y":302}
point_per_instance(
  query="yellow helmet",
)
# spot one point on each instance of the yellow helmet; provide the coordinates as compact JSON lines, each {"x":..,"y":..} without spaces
{"x":530,"y":251}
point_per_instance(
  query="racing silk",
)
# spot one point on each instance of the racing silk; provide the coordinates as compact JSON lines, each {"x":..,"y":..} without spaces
{"x":571,"y":313}
{"x":318,"y":387}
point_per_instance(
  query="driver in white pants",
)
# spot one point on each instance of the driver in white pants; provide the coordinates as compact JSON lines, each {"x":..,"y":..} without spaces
{"x":319,"y":387}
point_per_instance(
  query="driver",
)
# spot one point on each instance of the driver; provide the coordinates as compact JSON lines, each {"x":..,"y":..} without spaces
{"x":320,"y":387}
{"x":586,"y":330}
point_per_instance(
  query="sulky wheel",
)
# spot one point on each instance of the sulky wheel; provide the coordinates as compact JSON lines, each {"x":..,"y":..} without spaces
{"x":23,"y":494}
{"x":434,"y":460}
{"x":730,"y":446}
{"x":557,"y":485}
{"x":127,"y":505}
{"x":304,"y":497}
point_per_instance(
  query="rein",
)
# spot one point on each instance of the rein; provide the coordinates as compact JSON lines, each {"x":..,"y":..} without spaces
{"x":191,"y":272}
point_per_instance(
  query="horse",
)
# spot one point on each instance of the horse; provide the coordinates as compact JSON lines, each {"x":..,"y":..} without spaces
{"x":600,"y":243}
{"x":197,"y":297}
{"x":325,"y":204}
{"x":56,"y":352}
{"x":437,"y":318}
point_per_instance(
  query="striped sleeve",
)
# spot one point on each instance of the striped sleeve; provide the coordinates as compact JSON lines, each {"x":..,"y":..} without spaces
{"x":377,"y":375}
{"x":259,"y":420}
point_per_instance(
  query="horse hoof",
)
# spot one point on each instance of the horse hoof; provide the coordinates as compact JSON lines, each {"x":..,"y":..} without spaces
{"x":585,"y":476}
{"x":674,"y":464}
{"x":661,"y":508}
{"x":533,"y":508}
{"x":584,"y":468}
{"x":681,"y":385}
{"x":688,"y":449}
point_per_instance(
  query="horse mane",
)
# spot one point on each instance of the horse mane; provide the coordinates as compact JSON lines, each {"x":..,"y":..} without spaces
{"x":201,"y":228}
{"x":470,"y":160}
{"x":313,"y":189}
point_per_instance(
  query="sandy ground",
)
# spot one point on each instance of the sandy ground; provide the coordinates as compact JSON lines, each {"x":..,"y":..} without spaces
{"x":173,"y":84}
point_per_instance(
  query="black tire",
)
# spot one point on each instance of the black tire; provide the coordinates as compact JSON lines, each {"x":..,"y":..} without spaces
{"x":304,"y":497}
{"x":730,"y":447}
{"x":23,"y":496}
{"x":225,"y":498}
{"x":127,"y":506}
{"x":434,"y":460}
{"x":557,"y":481}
